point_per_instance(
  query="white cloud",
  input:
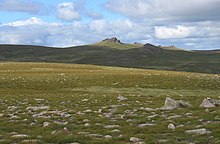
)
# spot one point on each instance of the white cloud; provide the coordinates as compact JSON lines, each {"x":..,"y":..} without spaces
{"x":93,"y":14}
{"x":26,"y":6}
{"x":35,"y":31}
{"x":67,"y":11}
{"x":169,"y":33}
{"x":189,"y":30}
{"x":172,"y":10}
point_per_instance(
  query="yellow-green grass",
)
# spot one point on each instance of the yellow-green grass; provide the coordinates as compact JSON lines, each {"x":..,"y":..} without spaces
{"x":73,"y":89}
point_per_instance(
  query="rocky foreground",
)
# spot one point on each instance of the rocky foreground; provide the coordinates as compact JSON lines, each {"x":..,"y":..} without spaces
{"x":56,"y":103}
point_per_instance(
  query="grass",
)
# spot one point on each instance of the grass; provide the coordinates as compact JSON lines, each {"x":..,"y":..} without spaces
{"x":80,"y":94}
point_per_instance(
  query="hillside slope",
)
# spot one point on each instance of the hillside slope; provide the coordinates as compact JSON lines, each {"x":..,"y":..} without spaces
{"x":113,"y":54}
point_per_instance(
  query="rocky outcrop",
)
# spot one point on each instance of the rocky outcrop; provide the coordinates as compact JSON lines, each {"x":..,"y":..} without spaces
{"x":112,"y":40}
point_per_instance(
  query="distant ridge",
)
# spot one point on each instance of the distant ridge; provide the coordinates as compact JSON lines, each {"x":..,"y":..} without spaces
{"x":113,"y":52}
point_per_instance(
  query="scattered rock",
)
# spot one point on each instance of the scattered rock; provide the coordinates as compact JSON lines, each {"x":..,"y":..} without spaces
{"x":146,"y":124}
{"x":121,"y":98}
{"x":66,"y":129}
{"x":174,"y":116}
{"x":116,"y":130}
{"x":135,"y":140}
{"x":87,"y":125}
{"x":171,"y":104}
{"x":1,"y":115}
{"x":54,"y":132}
{"x":36,"y":108}
{"x":108,"y":136}
{"x":210,"y":103}
{"x":86,"y":120}
{"x":198,"y":131}
{"x":163,"y":141}
{"x":95,"y":135}
{"x":111,"y":126}
{"x":171,"y":126}
{"x":20,"y":136}
{"x":31,"y":141}
{"x":46,"y":124}
{"x":149,"y":109}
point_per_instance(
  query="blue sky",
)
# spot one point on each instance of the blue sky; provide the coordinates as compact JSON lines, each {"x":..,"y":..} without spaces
{"x":189,"y":24}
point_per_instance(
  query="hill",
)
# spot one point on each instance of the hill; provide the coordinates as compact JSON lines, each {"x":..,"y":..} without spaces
{"x":112,"y":52}
{"x":67,"y":103}
{"x":117,"y":44}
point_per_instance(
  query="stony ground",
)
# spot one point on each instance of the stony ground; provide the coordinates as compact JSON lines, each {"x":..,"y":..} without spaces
{"x":57,"y":103}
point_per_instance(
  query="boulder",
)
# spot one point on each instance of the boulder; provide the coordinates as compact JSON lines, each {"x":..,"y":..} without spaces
{"x":210,"y":103}
{"x":171,"y":104}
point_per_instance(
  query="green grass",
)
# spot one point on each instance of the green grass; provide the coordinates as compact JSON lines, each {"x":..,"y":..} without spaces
{"x":71,"y":90}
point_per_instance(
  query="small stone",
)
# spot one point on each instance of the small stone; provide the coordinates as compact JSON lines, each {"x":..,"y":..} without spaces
{"x":121,"y":98}
{"x":87,"y":125}
{"x":171,"y":126}
{"x":36,"y":108}
{"x":20,"y":136}
{"x":53,"y":132}
{"x":31,"y":141}
{"x":198,"y":131}
{"x":116,"y":130}
{"x":46,"y":124}
{"x":108,"y":136}
{"x":163,"y":141}
{"x":180,"y":126}
{"x":66,"y":129}
{"x":135,"y":139}
{"x":149,"y":109}
{"x":111,"y":126}
{"x":86,"y":120}
{"x":146,"y":124}
{"x":95,"y":135}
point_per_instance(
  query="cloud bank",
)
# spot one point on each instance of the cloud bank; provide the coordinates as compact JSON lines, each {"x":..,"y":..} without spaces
{"x":190,"y":24}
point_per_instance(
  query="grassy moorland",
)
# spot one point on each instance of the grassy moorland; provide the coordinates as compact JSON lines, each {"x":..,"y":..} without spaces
{"x":64,"y":103}
{"x":118,"y":54}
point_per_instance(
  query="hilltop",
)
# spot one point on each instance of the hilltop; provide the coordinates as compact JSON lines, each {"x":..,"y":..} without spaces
{"x":117,"y":44}
{"x":113,"y":52}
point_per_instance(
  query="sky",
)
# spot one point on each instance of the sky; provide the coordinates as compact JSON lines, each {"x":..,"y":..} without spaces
{"x":188,"y":24}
